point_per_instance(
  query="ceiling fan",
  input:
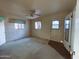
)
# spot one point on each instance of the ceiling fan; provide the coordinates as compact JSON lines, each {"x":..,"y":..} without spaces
{"x":33,"y":14}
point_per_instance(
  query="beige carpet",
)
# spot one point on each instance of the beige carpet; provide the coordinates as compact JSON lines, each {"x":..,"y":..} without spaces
{"x":28,"y":48}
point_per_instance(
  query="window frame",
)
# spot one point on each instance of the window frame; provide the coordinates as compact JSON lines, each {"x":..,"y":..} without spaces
{"x":16,"y":26}
{"x":53,"y":24}
{"x":66,"y":25}
{"x":37,"y":25}
{"x":19,"y":26}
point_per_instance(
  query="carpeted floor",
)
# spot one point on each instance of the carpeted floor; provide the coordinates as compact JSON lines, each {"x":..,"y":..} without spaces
{"x":28,"y":48}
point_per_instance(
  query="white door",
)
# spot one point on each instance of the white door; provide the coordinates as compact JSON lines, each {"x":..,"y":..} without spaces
{"x":75,"y":38}
{"x":2,"y":33}
{"x":75,"y":32}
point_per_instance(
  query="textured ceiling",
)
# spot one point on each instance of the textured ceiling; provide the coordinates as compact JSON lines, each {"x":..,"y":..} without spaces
{"x":21,"y":7}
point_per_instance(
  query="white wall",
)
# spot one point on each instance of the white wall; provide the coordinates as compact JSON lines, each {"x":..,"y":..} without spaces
{"x":47,"y":32}
{"x":75,"y":32}
{"x":13,"y":34}
{"x":2,"y":33}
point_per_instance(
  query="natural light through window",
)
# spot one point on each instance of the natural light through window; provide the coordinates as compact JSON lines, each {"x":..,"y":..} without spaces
{"x":67,"y":23}
{"x":16,"y":26}
{"x":19,"y":26}
{"x":55,"y":24}
{"x":22,"y":25}
{"x":38,"y":25}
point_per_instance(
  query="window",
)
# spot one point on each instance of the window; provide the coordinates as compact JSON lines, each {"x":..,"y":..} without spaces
{"x":55,"y":24}
{"x":38,"y":25}
{"x":16,"y":26}
{"x":67,"y":23}
{"x":19,"y":26}
{"x":22,"y":26}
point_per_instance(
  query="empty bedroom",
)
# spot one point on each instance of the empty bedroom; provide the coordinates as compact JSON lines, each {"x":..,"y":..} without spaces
{"x":39,"y":29}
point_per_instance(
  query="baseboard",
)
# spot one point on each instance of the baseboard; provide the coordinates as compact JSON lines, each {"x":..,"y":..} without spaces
{"x":18,"y":39}
{"x":40,"y":38}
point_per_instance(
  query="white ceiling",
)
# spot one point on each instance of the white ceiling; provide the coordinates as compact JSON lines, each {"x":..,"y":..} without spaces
{"x":21,"y":8}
